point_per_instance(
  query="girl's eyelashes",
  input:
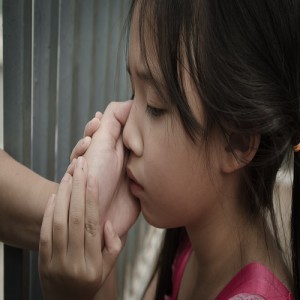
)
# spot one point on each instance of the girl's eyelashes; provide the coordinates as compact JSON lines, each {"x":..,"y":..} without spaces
{"x":151,"y":110}
{"x":154,"y":111}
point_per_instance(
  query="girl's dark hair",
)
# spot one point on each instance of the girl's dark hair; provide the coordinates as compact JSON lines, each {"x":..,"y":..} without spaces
{"x":243,"y":58}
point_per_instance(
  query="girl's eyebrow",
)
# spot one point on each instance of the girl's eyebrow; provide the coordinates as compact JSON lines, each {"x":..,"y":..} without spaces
{"x":147,"y":78}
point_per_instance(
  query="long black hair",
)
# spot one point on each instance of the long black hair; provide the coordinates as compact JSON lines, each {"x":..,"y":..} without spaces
{"x":243,"y":57}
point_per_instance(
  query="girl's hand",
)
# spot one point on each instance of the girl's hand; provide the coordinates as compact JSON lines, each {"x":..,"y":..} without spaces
{"x":72,"y":263}
{"x":83,"y":144}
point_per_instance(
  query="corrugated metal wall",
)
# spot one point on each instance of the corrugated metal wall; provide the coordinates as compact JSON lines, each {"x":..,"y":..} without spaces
{"x":63,"y":61}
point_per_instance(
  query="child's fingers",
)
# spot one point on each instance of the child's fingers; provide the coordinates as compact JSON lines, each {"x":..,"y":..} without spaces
{"x":71,"y":167}
{"x":91,"y":127}
{"x":92,"y":221}
{"x":60,"y":218}
{"x":45,"y":245}
{"x":81,"y":147}
{"x":77,"y":210}
{"x":83,"y":144}
{"x":114,"y":117}
{"x":98,"y":115}
{"x":112,"y":249}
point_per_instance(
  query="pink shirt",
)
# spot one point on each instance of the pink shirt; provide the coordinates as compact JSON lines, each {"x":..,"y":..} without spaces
{"x":253,"y":282}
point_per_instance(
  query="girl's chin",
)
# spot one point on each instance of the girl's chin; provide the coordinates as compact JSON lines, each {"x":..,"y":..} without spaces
{"x":153,"y":220}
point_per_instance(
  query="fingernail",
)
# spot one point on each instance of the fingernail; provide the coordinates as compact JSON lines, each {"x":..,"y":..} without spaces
{"x":66,"y":177}
{"x":80,"y":162}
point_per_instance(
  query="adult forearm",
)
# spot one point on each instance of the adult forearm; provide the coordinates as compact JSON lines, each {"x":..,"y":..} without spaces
{"x":23,"y":197}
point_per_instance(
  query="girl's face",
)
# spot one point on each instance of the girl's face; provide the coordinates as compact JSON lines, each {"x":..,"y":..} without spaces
{"x":175,"y":187}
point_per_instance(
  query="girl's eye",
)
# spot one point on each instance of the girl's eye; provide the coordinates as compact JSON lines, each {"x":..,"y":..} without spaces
{"x":154,"y":112}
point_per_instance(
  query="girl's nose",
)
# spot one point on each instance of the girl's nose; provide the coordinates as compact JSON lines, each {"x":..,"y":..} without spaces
{"x":132,"y":137}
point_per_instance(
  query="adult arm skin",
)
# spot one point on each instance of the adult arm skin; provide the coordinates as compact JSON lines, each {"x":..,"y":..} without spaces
{"x":24,"y":195}
{"x":23,"y":198}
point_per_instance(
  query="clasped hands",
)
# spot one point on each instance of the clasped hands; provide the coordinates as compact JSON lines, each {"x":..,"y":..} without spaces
{"x":86,"y":222}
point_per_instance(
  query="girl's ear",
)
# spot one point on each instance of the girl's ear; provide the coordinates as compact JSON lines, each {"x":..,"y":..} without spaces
{"x":239,"y":151}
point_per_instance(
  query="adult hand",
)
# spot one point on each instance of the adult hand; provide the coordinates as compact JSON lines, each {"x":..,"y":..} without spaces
{"x":72,"y":263}
{"x":106,"y":160}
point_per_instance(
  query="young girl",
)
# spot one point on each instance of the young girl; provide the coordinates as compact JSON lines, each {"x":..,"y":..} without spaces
{"x":215,"y":114}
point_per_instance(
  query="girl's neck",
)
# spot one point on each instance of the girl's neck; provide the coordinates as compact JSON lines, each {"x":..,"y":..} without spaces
{"x":222,"y":247}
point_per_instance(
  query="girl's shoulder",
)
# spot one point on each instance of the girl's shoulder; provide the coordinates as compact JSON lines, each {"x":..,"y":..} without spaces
{"x":255,"y":282}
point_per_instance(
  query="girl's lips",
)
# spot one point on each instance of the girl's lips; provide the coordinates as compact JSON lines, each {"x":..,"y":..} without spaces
{"x":135,"y":187}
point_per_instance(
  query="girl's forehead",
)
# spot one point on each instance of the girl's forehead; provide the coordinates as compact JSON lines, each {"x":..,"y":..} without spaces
{"x":142,"y":60}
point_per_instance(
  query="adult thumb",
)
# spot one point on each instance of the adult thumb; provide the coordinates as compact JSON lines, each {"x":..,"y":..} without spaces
{"x":112,"y":249}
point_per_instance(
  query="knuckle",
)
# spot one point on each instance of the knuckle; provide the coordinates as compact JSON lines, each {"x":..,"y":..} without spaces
{"x":94,"y":276}
{"x":62,"y":270}
{"x":79,"y":273}
{"x":58,"y":226}
{"x":76,"y":218}
{"x":92,"y":228}
{"x":75,"y":271}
